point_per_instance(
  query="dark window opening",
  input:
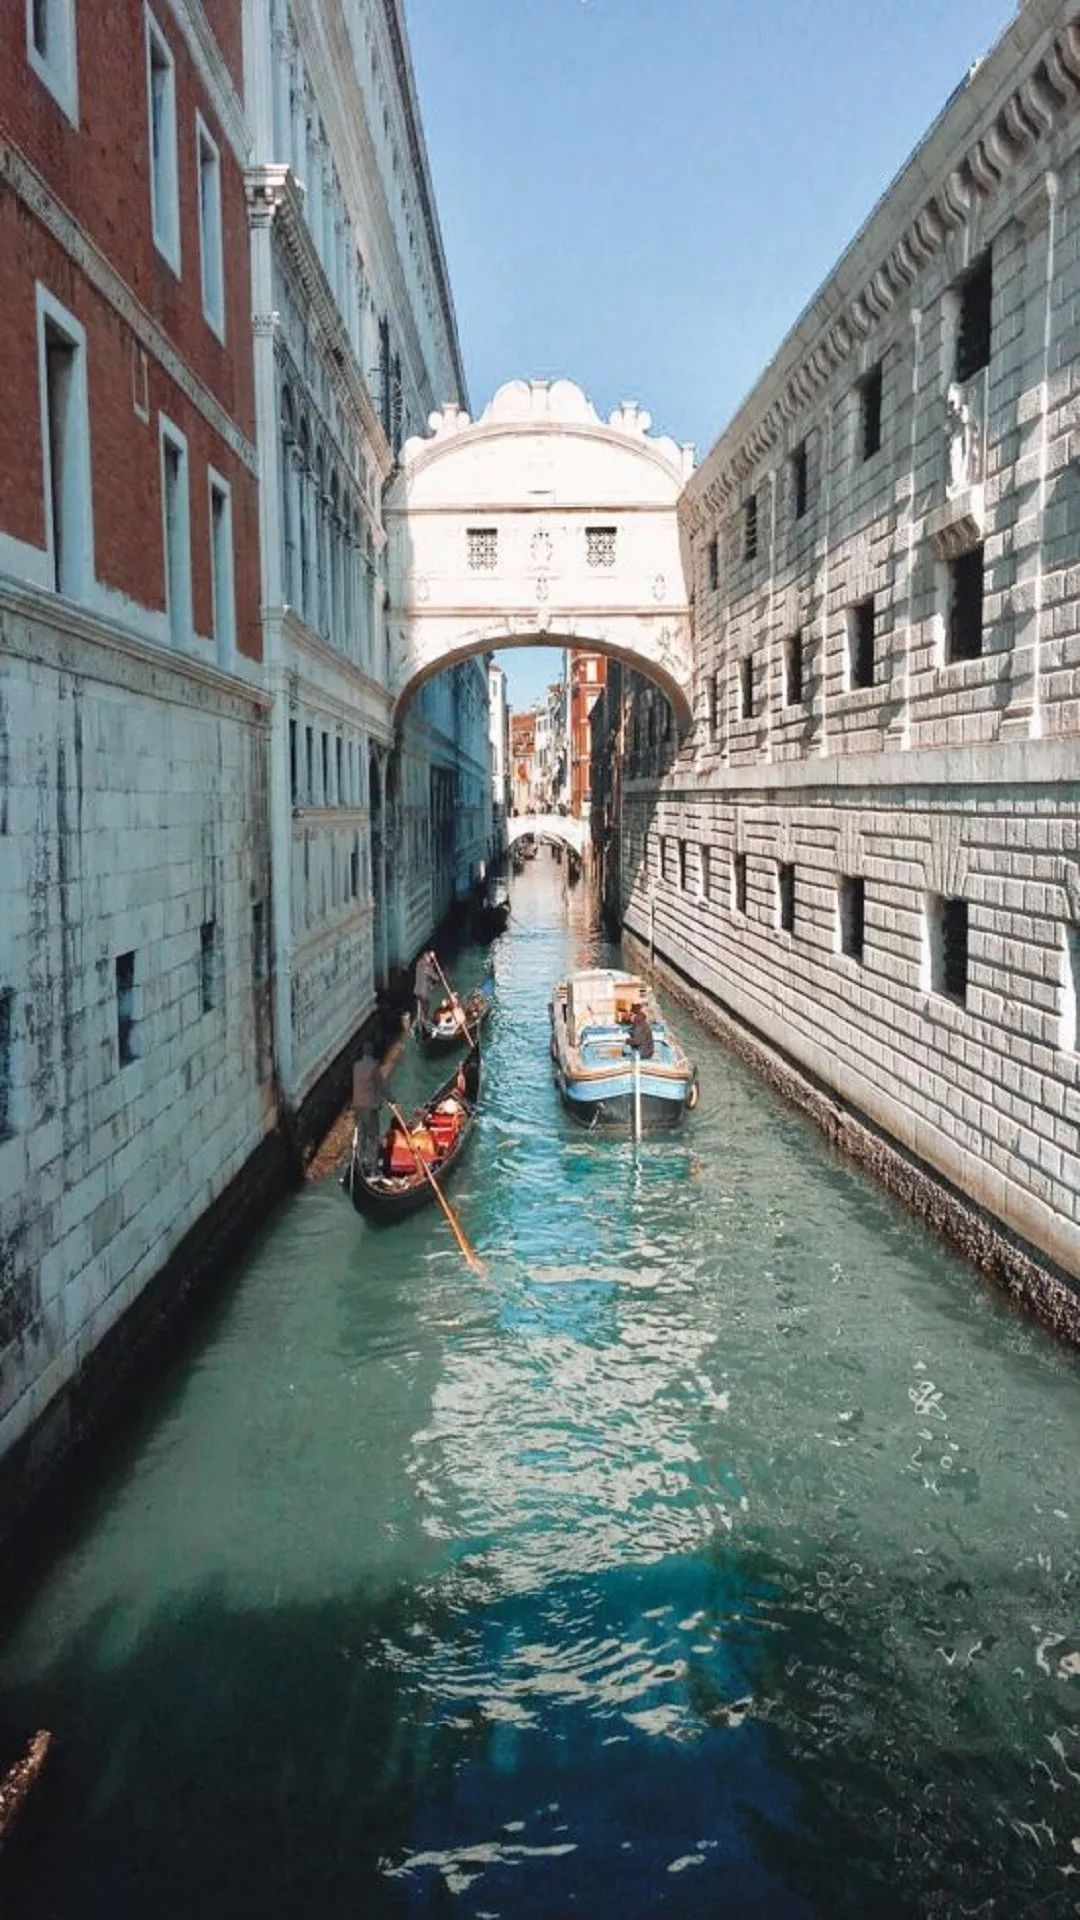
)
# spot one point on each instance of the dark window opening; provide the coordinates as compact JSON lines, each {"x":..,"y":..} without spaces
{"x":852,"y":915}
{"x":324,"y":757}
{"x":973,"y":331}
{"x":59,"y":405}
{"x":339,"y":755}
{"x":260,"y":961}
{"x":750,"y":528}
{"x":293,"y":768}
{"x":949,"y":948}
{"x":126,"y":1036}
{"x":746,"y":686}
{"x":309,"y":757}
{"x":861,"y":659}
{"x":208,"y":965}
{"x":41,"y":28}
{"x":7,"y":1063}
{"x":705,"y":857}
{"x":738,"y":881}
{"x":793,"y":671}
{"x":785,"y":895}
{"x":870,"y":412}
{"x":385,"y":379}
{"x":711,"y":696}
{"x":354,"y":868}
{"x":800,"y":479}
{"x":964,"y":624}
{"x":713,"y":559}
{"x":680,"y":851}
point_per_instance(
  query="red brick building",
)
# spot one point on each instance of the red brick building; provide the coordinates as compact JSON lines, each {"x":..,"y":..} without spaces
{"x":588,"y":673}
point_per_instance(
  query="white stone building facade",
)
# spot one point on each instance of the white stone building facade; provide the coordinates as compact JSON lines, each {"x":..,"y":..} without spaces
{"x":866,"y":850}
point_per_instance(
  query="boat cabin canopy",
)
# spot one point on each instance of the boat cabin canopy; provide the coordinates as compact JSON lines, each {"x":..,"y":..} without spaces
{"x":599,"y":999}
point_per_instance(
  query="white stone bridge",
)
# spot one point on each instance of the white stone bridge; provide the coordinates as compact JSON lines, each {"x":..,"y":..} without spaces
{"x":547,"y":826}
{"x":539,"y":524}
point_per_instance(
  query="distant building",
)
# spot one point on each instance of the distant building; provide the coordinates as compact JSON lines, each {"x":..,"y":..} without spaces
{"x":586,"y":674}
{"x":499,"y":736}
{"x":523,"y":762}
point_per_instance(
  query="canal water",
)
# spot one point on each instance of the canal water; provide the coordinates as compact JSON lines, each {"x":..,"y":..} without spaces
{"x":716,"y":1553}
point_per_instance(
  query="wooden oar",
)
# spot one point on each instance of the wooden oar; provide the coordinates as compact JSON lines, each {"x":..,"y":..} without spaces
{"x":459,"y":1011}
{"x":471,"y":1256}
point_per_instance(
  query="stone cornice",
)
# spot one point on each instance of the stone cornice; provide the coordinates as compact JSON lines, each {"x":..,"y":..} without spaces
{"x":993,"y":126}
{"x":28,"y":186}
{"x":1053,"y":763}
{"x":273,"y":197}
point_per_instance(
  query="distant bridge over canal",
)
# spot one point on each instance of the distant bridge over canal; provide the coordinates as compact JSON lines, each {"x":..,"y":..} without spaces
{"x":547,"y":826}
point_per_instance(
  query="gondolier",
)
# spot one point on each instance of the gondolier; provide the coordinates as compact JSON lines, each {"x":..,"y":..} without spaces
{"x":425,"y":981}
{"x":369,"y":1088}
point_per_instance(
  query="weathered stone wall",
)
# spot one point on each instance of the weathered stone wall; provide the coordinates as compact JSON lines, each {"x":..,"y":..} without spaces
{"x":133,"y":816}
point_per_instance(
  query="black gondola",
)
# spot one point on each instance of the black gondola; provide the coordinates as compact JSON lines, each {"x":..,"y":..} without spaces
{"x":490,"y":919}
{"x":387,"y":1196}
{"x":476,"y":1008}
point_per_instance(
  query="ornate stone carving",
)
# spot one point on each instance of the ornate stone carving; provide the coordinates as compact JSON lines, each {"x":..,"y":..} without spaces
{"x":965,"y":448}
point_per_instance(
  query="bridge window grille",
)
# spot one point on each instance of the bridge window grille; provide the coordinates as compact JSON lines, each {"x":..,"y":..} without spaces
{"x":750,"y":529}
{"x":800,"y":480}
{"x":785,"y":895}
{"x":746,"y":686}
{"x":483,"y":545}
{"x":948,"y":940}
{"x":600,"y":546}
{"x":964,"y":621}
{"x":852,"y":915}
{"x":973,"y":330}
{"x":738,"y":883}
{"x":861,"y":643}
{"x":793,"y":671}
{"x":870,"y":412}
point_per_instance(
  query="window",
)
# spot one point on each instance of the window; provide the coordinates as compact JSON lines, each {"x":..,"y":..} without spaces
{"x":800,"y":480}
{"x":324,"y":761}
{"x":947,"y":931}
{"x":354,"y":868}
{"x":221,"y":568}
{"x":483,"y":544}
{"x":792,"y":676}
{"x":208,"y":164}
{"x":65,"y":440}
{"x":260,"y":958}
{"x":785,"y":896}
{"x":738,"y":882}
{"x":208,"y":968}
{"x":50,"y":49}
{"x":600,"y":546}
{"x":309,"y":765}
{"x":746,"y":686}
{"x":7,"y":1063}
{"x":177,"y":524}
{"x":705,"y":861}
{"x":750,"y":528}
{"x":294,"y":770}
{"x":680,"y":871}
{"x":964,"y":615}
{"x":870,"y":413}
{"x":973,"y":320}
{"x":1070,"y":992}
{"x":126,"y":1030}
{"x":711,"y":696}
{"x":861,"y":643}
{"x":852,"y":912}
{"x":164,"y":194}
{"x":712,"y":562}
{"x":339,"y":757}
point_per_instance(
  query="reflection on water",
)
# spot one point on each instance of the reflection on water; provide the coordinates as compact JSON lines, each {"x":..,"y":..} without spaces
{"x":715,"y":1553}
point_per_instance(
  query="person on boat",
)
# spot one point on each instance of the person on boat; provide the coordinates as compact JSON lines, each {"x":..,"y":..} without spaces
{"x":368,"y":1090}
{"x":424,"y":983}
{"x":640,"y":1035}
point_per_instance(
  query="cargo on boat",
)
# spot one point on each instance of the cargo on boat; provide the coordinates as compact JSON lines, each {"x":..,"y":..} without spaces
{"x":617,"y":1063}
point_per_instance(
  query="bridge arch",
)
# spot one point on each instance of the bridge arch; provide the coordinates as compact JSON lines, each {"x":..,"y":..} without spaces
{"x":539,"y":524}
{"x":547,"y":826}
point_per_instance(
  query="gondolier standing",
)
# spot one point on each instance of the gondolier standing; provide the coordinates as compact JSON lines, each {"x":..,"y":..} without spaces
{"x":424,"y":983}
{"x":368,"y":1090}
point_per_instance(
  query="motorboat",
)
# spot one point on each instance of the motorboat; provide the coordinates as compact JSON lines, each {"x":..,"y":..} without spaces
{"x":604,"y":1080}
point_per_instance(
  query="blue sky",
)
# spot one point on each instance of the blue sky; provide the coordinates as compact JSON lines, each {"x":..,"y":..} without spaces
{"x":643,"y":194}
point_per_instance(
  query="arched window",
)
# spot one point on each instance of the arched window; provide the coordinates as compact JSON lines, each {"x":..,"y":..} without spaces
{"x":288,"y":458}
{"x":333,"y":541}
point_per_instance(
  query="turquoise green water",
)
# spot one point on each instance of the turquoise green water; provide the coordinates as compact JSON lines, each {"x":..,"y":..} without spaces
{"x":715,"y":1554}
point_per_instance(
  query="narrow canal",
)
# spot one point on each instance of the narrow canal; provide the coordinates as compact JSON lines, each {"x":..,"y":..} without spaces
{"x":716,"y":1553}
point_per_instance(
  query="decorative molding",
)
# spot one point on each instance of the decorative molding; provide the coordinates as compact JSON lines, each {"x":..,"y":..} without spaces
{"x":958,"y":524}
{"x":945,"y":866}
{"x":30,"y":188}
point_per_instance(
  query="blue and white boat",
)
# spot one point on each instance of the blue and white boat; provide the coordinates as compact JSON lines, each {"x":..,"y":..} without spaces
{"x":603,"y":1079}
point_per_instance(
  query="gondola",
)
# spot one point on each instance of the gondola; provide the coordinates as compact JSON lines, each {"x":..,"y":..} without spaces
{"x":441,"y":1130}
{"x":491,"y":916}
{"x":435,"y":1037}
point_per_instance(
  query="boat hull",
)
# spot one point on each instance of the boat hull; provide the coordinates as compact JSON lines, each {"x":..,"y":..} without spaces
{"x":612,"y":1110}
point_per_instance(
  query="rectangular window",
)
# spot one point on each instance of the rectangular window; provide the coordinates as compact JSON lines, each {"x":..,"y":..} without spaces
{"x":680,"y":850}
{"x":738,"y":882}
{"x":711,"y":695}
{"x":746,"y":686}
{"x":324,"y":762}
{"x":65,"y":436}
{"x":861,"y":643}
{"x":7,"y":1063}
{"x":221,"y":568}
{"x":964,"y":615}
{"x":483,"y":548}
{"x":339,"y":768}
{"x":1070,"y":989}
{"x":705,"y":862}
{"x":164,"y":185}
{"x":294,"y":770}
{"x":208,"y":165}
{"x":208,"y":965}
{"x":852,"y":911}
{"x":600,"y":546}
{"x":309,"y":764}
{"x":126,"y":1030}
{"x":947,"y":931}
{"x":973,"y":328}
{"x":712,"y":554}
{"x":792,"y":675}
{"x":800,"y":474}
{"x":785,"y":896}
{"x":870,"y":413}
{"x":50,"y":49}
{"x":260,"y":957}
{"x":354,"y":868}
{"x":750,"y":528}
{"x":177,"y":529}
